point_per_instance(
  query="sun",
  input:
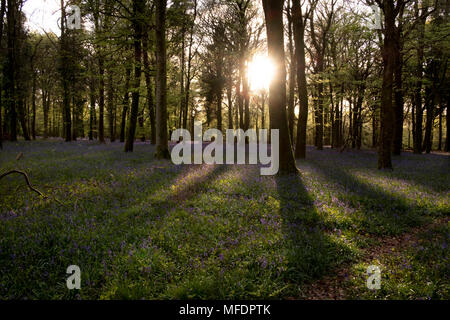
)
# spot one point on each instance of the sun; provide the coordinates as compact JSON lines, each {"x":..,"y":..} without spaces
{"x":260,"y":72}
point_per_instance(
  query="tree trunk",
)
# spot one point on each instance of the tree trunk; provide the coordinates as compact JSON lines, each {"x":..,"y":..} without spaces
{"x":10,"y":72}
{"x":292,"y":78}
{"x":91,"y":112}
{"x":447,"y":117}
{"x":148,"y":83}
{"x":162,"y":148}
{"x":299,"y":34}
{"x":125,"y":103}
{"x":138,"y":7}
{"x":418,"y":88}
{"x":319,"y":123}
{"x":273,"y":11}
{"x":230,"y":101}
{"x":64,"y":75}
{"x":22,"y":120}
{"x":33,"y":107}
{"x":111,"y":106}
{"x":387,"y":112}
{"x":2,"y":15}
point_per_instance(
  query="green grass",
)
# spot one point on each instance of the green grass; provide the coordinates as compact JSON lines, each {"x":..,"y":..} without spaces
{"x":419,"y":272}
{"x":144,"y":228}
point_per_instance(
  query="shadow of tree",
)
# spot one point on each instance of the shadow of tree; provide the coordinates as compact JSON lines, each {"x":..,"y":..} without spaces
{"x":379,"y":212}
{"x":430,"y":171}
{"x":311,"y":251}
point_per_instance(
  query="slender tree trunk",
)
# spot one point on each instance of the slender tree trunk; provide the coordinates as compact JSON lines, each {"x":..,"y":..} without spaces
{"x":230,"y":102}
{"x":189,"y":66}
{"x":111,"y":106}
{"x":299,"y":34}
{"x":273,"y":11}
{"x":320,"y":110}
{"x":219,"y":96}
{"x":45,"y":107}
{"x":240,"y":99}
{"x":292,"y":73}
{"x":439,"y":148}
{"x":398,"y":97}
{"x":125,"y":103}
{"x":91,"y":112}
{"x":138,"y":7}
{"x":162,"y":148}
{"x":418,"y":88}
{"x":64,"y":75}
{"x":447,"y":117}
{"x":33,"y":106}
{"x":148,"y":82}
{"x":182,"y":75}
{"x":101,"y":104}
{"x":430,"y":106}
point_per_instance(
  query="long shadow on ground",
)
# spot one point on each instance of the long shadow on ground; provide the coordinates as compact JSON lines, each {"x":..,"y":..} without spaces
{"x":312,"y":252}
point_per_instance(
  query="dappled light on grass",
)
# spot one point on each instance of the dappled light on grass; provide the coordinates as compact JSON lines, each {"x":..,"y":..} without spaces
{"x":141,"y":228}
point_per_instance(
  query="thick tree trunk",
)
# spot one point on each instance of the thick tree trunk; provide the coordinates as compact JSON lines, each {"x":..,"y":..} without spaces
{"x":387,"y":111}
{"x":64,"y":75}
{"x":273,"y":11}
{"x":2,"y":15}
{"x":10,"y":72}
{"x":162,"y":148}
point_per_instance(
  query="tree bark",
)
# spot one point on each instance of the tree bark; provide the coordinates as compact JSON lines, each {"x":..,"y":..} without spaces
{"x":292,"y":73}
{"x":138,"y":8}
{"x":273,"y":12}
{"x":417,"y":143}
{"x":148,"y":83}
{"x":162,"y":148}
{"x":387,"y":112}
{"x":299,"y":36}
{"x":447,"y":117}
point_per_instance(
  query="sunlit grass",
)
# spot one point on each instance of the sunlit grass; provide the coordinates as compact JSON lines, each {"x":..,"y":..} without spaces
{"x":141,"y":228}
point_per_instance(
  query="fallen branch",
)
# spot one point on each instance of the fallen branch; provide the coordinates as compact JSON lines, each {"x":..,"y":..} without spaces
{"x":27,"y":179}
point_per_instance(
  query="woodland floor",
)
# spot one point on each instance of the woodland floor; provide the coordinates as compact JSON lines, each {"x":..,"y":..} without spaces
{"x":144,"y":228}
